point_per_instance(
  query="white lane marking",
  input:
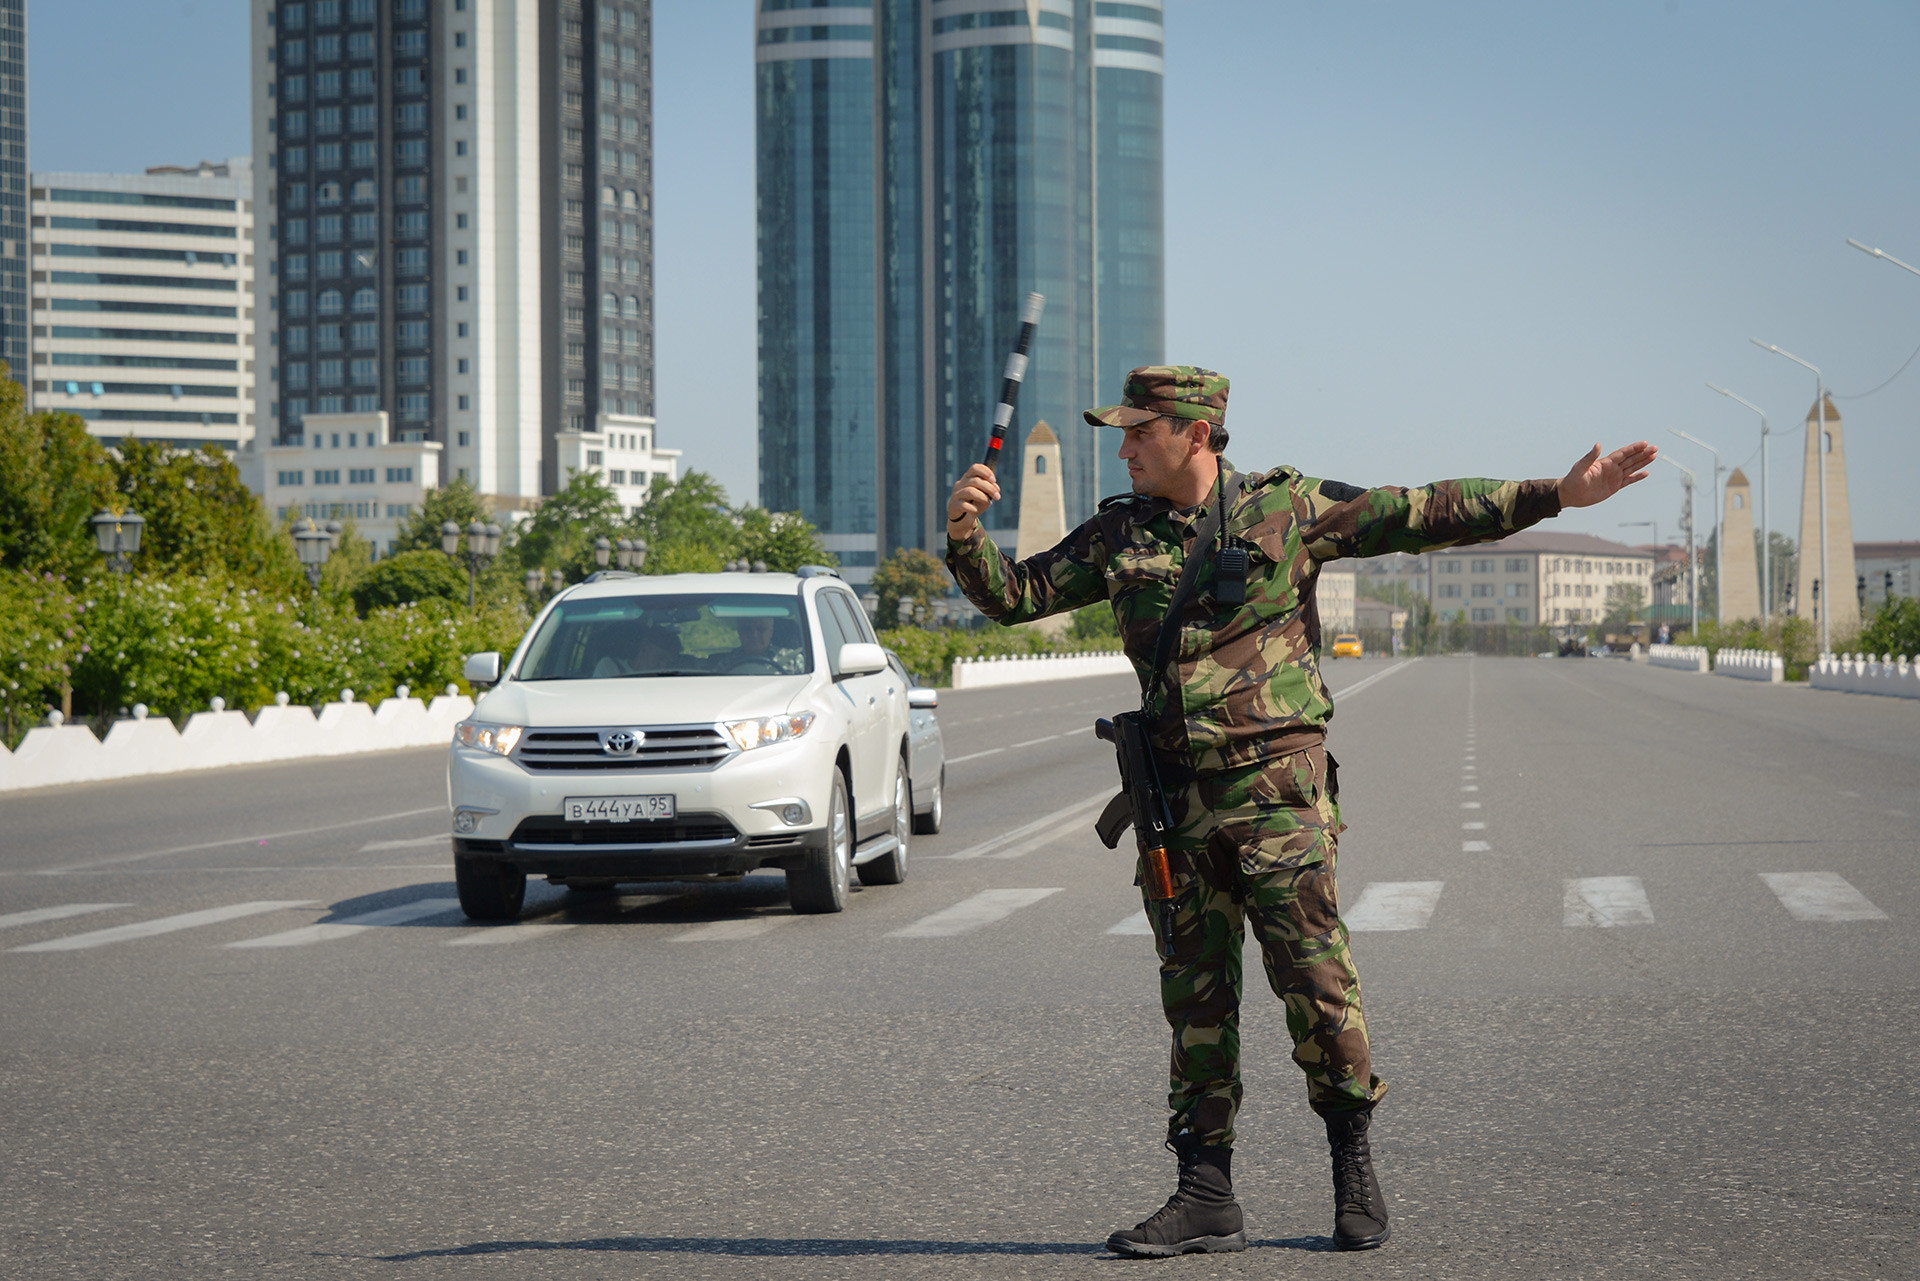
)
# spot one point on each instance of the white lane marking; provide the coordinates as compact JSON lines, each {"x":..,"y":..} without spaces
{"x":1474,"y":847}
{"x":506,"y":934}
{"x":1135,"y":924}
{"x":727,"y":931}
{"x":1028,"y":837}
{"x":163,"y":925}
{"x":256,"y":839}
{"x":1084,"y":729}
{"x":412,"y":842}
{"x":974,"y":756}
{"x":1357,"y":686}
{"x":36,"y":915}
{"x":1469,"y":756}
{"x":1030,"y":742}
{"x":970,"y":914}
{"x":1821,"y":896}
{"x":1473,"y":827}
{"x":1606,"y":901}
{"x":347,"y":926}
{"x":1471,"y":787}
{"x":1394,"y":905}
{"x":1469,"y":805}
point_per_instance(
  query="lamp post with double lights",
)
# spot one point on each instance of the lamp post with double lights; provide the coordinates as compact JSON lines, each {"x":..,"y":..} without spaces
{"x":313,"y":545}
{"x":1766,"y":530}
{"x":1820,"y":452}
{"x":483,"y":544}
{"x":1719,"y":525}
{"x":117,"y":535}
{"x":631,"y":554}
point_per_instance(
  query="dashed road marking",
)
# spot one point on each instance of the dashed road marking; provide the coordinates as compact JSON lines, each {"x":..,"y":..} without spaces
{"x":970,"y":914}
{"x":497,"y":934}
{"x":1135,"y":924}
{"x":347,"y":926}
{"x":729,"y":931}
{"x":1606,"y":901}
{"x":1469,"y":805}
{"x":1474,"y":847}
{"x":410,"y":843}
{"x":1028,"y":837}
{"x":1394,"y":905}
{"x":163,"y":925}
{"x":1821,"y":896}
{"x":1473,"y":827}
{"x":35,"y":916}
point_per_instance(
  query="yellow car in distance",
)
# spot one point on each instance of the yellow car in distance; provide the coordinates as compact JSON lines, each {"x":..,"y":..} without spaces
{"x":1347,"y":645}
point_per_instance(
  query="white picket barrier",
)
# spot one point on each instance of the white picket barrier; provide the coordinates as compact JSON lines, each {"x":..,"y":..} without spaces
{"x":1686,"y":658}
{"x":1750,"y":665}
{"x":1866,"y":674}
{"x":1023,"y":669}
{"x":142,"y":745}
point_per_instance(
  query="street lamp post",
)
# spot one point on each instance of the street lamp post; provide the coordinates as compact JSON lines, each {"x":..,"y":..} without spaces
{"x":1632,"y":524}
{"x":483,"y":544}
{"x":1693,"y":564}
{"x":1883,"y":255}
{"x":117,"y":535}
{"x":602,"y":551}
{"x":632,"y":553}
{"x":1719,"y":527}
{"x":313,"y":544}
{"x":1820,"y":452}
{"x":1766,"y":530}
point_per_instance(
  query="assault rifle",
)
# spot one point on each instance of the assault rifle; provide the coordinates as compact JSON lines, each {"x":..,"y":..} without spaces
{"x":1141,"y":804}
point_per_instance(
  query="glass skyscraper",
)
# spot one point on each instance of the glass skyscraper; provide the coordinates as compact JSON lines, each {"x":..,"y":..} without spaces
{"x":923,"y":165}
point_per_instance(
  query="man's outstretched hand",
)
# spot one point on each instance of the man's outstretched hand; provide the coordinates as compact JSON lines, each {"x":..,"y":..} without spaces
{"x":1595,"y":479}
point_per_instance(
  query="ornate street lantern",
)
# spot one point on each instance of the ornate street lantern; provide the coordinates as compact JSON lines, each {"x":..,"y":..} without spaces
{"x":117,"y":534}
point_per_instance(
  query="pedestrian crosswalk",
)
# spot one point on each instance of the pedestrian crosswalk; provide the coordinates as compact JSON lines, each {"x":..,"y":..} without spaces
{"x":1593,"y":902}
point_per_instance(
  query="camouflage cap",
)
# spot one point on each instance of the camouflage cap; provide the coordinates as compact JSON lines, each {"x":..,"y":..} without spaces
{"x":1184,"y":391}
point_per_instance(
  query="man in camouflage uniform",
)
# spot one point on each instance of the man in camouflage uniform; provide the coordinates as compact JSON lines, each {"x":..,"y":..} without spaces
{"x":1241,"y":750}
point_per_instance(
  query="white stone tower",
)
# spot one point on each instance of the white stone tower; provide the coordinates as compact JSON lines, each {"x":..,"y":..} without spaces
{"x":1043,"y":504}
{"x":1740,"y":594}
{"x":1842,"y":602}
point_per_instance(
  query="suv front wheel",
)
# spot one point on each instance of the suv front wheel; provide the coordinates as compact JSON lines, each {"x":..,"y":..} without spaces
{"x":489,"y":891}
{"x":821,"y":883}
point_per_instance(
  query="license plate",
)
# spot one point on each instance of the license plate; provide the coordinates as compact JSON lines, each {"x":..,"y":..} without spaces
{"x":616,"y":809}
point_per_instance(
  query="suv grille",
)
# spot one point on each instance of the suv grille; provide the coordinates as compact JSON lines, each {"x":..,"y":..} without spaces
{"x":665,"y":747}
{"x":548,"y":830}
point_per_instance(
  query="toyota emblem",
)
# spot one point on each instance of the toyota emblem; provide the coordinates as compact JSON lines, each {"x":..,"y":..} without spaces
{"x":622,"y":742}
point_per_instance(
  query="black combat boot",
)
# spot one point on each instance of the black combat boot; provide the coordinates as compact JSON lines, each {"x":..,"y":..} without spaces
{"x":1359,"y":1211}
{"x":1201,"y":1217}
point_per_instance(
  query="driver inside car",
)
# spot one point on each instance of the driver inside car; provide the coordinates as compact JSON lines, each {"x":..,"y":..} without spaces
{"x":758,"y":650}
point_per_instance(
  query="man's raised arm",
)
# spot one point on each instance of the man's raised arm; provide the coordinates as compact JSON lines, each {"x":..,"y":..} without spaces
{"x":1061,"y":578}
{"x":1341,"y":520}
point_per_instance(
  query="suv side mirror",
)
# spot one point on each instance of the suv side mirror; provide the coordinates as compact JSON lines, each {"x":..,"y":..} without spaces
{"x":859,"y":658}
{"x":921,"y":697}
{"x":482,"y":669}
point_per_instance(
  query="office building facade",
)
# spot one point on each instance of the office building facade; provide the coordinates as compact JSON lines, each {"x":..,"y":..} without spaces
{"x":14,"y":318}
{"x":1535,"y":577}
{"x":922,"y":166}
{"x":143,"y":302}
{"x":459,"y":204}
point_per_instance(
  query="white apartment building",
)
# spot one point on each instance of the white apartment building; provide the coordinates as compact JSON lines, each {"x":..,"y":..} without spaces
{"x":347,"y":467}
{"x":1534,"y":578}
{"x":143,"y":302}
{"x":1333,"y":596}
{"x":623,"y":450}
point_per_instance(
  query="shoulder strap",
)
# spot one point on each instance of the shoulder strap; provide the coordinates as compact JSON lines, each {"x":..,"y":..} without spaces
{"x":1189,"y":574}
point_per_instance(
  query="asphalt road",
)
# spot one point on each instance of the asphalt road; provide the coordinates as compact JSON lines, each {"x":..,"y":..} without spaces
{"x":1641,"y":953}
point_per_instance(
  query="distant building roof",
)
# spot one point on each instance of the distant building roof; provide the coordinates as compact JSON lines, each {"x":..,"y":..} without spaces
{"x":1042,"y":434}
{"x":1886,"y":551}
{"x":1737,"y":477}
{"x":1535,"y":540}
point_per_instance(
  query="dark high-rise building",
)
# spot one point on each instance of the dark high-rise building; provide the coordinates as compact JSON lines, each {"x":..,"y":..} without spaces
{"x":13,"y":188}
{"x":923,"y":165}
{"x":459,"y":204}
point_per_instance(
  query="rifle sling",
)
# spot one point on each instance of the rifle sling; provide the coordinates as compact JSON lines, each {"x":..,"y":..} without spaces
{"x":1189,"y":575}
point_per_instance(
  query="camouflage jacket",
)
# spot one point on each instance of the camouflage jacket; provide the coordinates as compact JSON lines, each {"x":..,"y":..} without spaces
{"x":1248,"y":675}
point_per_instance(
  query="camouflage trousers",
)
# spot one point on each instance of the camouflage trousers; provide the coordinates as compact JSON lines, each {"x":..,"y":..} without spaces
{"x":1255,"y":847}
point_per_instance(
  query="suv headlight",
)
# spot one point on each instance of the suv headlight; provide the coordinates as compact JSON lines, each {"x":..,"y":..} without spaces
{"x":762,"y":731}
{"x":484,"y":737}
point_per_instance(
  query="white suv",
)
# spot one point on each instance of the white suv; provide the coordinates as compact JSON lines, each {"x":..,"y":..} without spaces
{"x":686,"y":726}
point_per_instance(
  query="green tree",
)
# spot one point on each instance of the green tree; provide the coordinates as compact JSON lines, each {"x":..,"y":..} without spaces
{"x":1894,"y":630}
{"x":1625,"y":601}
{"x":201,"y":517}
{"x":561,"y":533}
{"x":909,"y":574}
{"x":457,"y":502}
{"x":783,"y":540}
{"x":688,"y":526}
{"x":407,"y":578}
{"x":1094,"y":622}
{"x":53,"y":478}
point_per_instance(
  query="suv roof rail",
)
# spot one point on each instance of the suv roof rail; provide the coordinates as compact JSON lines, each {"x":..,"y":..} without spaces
{"x":600,"y":575}
{"x":816,"y":571}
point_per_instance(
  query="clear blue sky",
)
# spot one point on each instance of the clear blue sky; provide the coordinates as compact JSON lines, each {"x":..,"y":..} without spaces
{"x":1424,"y":240}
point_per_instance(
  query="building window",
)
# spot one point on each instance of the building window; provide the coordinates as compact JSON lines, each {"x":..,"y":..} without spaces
{"x":330,"y":372}
{"x":360,"y":475}
{"x":411,"y":333}
{"x":366,"y":371}
{"x":297,"y":377}
{"x":329,"y":302}
{"x":412,"y":370}
{"x":365,"y":300}
{"x":617,"y":477}
{"x":1517,"y":615}
{"x":1517,"y":589}
{"x":1483,"y":616}
{"x":399,"y":475}
{"x":414,"y":405}
{"x":459,"y":293}
{"x":409,"y":44}
{"x":1483,"y":566}
{"x":463,"y":436}
{"x":410,"y":151}
{"x":290,"y":478}
{"x":297,"y":339}
{"x":463,"y":403}
{"x":460,"y":365}
{"x":1449,"y":566}
{"x":1483,"y":589}
{"x":411,"y":262}
{"x":1516,"y":564}
{"x":595,"y":457}
{"x":366,"y":333}
{"x":1449,"y":589}
{"x":328,"y":476}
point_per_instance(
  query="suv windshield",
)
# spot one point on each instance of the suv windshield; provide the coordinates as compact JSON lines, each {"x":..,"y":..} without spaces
{"x":688,"y":634}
